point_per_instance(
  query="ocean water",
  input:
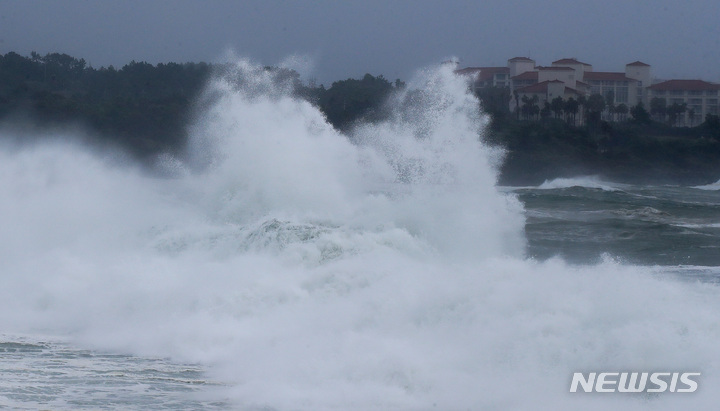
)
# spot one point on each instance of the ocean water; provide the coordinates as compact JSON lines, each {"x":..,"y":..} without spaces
{"x":583,"y":218}
{"x":282,"y":265}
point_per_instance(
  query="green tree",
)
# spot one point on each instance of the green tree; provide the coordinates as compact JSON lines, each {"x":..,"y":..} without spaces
{"x":349,"y":100}
{"x":610,"y":104}
{"x":594,"y":106}
{"x":546,"y":111}
{"x":658,"y":108}
{"x":622,"y":110}
{"x":530,"y":107}
{"x":142,"y":108}
{"x":571,"y":108}
{"x":639,"y":114}
{"x":582,"y":102}
{"x":712,"y":125}
{"x":557,"y":105}
{"x":495,"y":101}
{"x":674,"y":111}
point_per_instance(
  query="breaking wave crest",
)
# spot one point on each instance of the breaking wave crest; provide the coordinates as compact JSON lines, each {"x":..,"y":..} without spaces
{"x":713,"y":186}
{"x":592,"y":182}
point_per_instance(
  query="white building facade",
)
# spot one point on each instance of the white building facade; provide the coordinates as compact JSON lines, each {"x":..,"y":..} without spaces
{"x":570,"y":78}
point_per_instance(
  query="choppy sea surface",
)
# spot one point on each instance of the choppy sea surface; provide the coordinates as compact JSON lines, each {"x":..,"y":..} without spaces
{"x":38,"y":374}
{"x":281,"y":265}
{"x":581,"y":219}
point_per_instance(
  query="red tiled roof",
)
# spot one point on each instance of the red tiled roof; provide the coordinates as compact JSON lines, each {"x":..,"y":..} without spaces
{"x":554,"y":68}
{"x":487,"y":73}
{"x":607,"y":76}
{"x":685,"y":85}
{"x":521,"y":59}
{"x":528,"y":75}
{"x":543,"y":88}
{"x":535,"y":88}
{"x":571,"y":91}
{"x":494,"y":69}
{"x":569,"y":61}
{"x":638,"y":63}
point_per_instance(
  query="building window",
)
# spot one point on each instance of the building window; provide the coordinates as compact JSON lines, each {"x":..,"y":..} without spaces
{"x":677,"y":92}
{"x":677,"y":100}
{"x":696,"y":92}
{"x":695,"y":101}
{"x":712,"y":101}
{"x":711,"y":92}
{"x":659,"y":92}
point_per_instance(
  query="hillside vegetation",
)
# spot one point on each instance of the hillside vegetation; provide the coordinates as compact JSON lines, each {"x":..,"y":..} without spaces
{"x":144,"y":109}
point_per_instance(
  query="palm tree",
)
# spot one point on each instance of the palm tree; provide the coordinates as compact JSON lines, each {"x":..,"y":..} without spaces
{"x":595,"y":106}
{"x":571,"y":108}
{"x":557,"y":105}
{"x":582,"y":103}
{"x":658,"y":108}
{"x":622,"y":110}
{"x":610,"y":104}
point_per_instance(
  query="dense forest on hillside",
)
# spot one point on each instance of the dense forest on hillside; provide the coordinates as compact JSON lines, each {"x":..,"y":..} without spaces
{"x":139,"y":107}
{"x":144,"y":109}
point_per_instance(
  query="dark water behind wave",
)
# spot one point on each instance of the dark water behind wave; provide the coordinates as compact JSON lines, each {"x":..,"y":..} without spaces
{"x":666,"y":226}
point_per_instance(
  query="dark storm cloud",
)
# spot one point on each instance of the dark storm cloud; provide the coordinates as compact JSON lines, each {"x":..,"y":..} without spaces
{"x":348,"y":39}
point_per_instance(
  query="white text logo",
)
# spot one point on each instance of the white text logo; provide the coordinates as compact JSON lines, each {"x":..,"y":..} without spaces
{"x":635,"y":382}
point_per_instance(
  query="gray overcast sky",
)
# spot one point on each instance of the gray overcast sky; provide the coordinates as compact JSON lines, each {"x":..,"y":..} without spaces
{"x":680,"y":39}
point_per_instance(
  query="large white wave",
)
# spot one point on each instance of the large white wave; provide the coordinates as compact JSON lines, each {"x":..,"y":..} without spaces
{"x":581,"y":181}
{"x":712,"y":186}
{"x":308,"y":272}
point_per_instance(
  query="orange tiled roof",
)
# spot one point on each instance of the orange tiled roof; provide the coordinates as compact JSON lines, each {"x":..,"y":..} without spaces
{"x":638,"y":63}
{"x":537,"y":88}
{"x":554,"y":68}
{"x":521,"y":59}
{"x":693,"y":85}
{"x":569,"y":61}
{"x":528,"y":75}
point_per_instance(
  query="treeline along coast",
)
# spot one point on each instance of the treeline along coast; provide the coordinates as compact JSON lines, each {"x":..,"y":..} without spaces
{"x":144,"y":109}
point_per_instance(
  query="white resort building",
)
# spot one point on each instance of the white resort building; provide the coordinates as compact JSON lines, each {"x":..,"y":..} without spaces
{"x":700,"y":97}
{"x":569,"y":78}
